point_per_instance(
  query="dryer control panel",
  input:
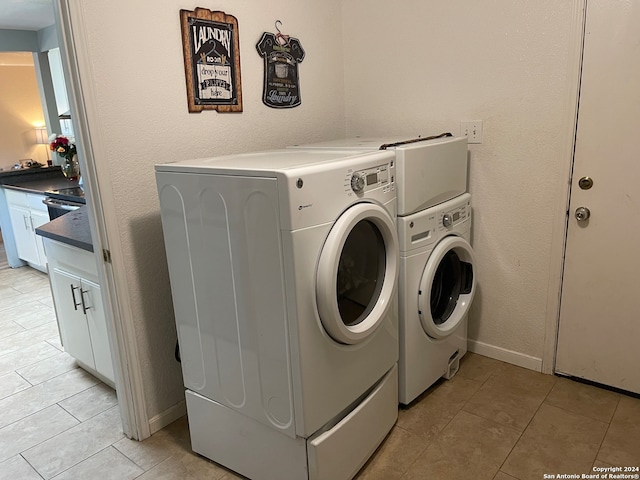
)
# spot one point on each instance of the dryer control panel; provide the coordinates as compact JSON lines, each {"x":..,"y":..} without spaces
{"x":362,"y":181}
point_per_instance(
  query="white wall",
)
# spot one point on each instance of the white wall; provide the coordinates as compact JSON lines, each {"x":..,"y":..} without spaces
{"x":422,"y":67}
{"x":20,"y":112}
{"x":138,"y":118}
{"x":413,"y":67}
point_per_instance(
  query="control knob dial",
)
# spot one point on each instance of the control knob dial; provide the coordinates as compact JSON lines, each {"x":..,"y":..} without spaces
{"x":357,"y":182}
{"x":447,"y":221}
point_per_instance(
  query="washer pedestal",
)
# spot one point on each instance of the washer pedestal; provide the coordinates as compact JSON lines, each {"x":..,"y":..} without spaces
{"x":260,"y":452}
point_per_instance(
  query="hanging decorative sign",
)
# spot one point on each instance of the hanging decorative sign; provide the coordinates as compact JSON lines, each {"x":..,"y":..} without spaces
{"x":281,"y":53}
{"x":211,"y":51}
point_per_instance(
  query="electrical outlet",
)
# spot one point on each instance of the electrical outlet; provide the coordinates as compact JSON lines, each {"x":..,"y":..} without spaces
{"x":472,"y":130}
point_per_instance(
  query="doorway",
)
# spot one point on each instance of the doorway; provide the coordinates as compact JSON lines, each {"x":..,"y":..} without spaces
{"x":124,"y":399}
{"x":599,"y":325}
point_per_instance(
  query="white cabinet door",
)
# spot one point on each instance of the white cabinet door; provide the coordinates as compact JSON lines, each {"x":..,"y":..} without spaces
{"x":38,"y":219}
{"x":83,"y":325}
{"x":92,"y":305}
{"x":23,"y":233}
{"x":72,"y":320}
{"x":28,"y":213}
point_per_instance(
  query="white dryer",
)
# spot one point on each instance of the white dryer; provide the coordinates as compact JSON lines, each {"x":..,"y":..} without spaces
{"x":283,"y":268}
{"x":437,"y":285}
{"x":430,"y":170}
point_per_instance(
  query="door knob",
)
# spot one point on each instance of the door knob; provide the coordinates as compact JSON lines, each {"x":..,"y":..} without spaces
{"x":582,"y":214}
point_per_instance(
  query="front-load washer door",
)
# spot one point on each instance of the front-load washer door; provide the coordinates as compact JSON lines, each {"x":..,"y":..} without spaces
{"x":357,"y":273}
{"x":447,"y":287}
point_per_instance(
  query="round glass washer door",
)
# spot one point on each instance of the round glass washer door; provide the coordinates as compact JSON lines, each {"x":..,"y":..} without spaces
{"x":357,"y":273}
{"x":447,"y":287}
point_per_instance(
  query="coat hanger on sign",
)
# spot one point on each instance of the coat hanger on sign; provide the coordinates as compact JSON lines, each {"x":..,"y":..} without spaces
{"x":280,"y":37}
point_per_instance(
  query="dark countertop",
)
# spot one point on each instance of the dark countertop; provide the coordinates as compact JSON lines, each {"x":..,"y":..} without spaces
{"x":27,"y":172}
{"x":71,"y":228}
{"x":36,"y":180}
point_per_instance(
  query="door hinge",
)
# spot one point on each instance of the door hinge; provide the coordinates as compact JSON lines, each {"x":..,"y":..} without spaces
{"x":106,"y":255}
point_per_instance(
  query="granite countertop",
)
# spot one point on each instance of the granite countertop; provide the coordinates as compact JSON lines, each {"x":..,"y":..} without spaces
{"x":21,"y":172}
{"x":36,"y":180}
{"x":71,"y":228}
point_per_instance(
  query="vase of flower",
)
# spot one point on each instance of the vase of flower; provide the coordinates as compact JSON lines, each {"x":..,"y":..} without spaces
{"x":67,"y":151}
{"x":70,"y":168}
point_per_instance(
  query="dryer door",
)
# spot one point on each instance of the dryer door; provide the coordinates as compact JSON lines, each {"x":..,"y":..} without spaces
{"x":357,"y":273}
{"x":447,"y":287}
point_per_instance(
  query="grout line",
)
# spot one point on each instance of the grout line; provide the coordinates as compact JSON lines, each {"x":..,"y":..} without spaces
{"x":32,"y":467}
{"x":525,"y":428}
{"x":25,"y":379}
{"x":58,"y":404}
{"x":31,"y":415}
{"x":607,"y":430}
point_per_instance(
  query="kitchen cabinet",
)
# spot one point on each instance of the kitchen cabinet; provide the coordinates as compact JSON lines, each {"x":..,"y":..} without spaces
{"x":78,"y":303}
{"x":27,"y":212}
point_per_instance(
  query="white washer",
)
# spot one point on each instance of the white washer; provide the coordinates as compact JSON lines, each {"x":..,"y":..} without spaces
{"x":431,"y":177}
{"x":437,"y":285}
{"x":430,"y":170}
{"x":283,"y":268}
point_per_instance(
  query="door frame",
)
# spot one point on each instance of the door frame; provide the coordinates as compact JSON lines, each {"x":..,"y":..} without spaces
{"x":73,"y":38}
{"x":560,"y":222}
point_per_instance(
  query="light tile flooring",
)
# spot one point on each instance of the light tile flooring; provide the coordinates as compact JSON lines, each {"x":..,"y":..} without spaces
{"x":491,"y":421}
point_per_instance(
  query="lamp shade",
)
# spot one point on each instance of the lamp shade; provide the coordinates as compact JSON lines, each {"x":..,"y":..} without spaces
{"x":41,"y":136}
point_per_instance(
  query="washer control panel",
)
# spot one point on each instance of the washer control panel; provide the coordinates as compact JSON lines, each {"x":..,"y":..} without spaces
{"x":362,"y":181}
{"x":450,"y":218}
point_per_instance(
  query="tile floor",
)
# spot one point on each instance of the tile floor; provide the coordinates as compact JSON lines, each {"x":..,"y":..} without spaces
{"x":491,"y":421}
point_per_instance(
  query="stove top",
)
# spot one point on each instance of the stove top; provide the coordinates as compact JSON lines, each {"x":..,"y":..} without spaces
{"x":72,"y":194}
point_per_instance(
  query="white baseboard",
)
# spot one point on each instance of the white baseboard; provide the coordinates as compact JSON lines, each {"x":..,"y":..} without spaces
{"x":170,"y":415}
{"x":504,"y":355}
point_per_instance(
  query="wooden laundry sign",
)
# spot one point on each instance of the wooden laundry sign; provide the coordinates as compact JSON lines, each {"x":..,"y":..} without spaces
{"x":282,"y":54}
{"x":211,"y":50}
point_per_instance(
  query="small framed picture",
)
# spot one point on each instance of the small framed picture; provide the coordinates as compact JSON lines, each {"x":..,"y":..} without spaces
{"x":211,"y":49}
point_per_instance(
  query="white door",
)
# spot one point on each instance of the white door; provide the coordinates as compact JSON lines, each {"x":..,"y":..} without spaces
{"x":599,"y":330}
{"x":357,"y":273}
{"x":447,"y":287}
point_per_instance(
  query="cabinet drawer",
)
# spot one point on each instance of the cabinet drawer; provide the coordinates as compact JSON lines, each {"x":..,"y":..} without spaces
{"x":35,"y":203}
{"x":16,"y":198}
{"x":31,"y":201}
{"x":341,"y":451}
{"x":74,"y":259}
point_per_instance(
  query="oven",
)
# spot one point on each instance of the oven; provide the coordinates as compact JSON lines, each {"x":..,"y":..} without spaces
{"x":63,"y":201}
